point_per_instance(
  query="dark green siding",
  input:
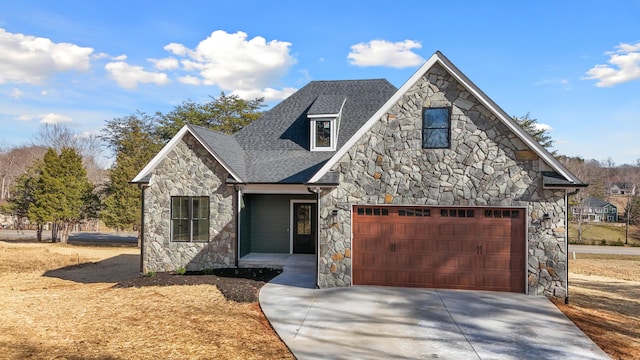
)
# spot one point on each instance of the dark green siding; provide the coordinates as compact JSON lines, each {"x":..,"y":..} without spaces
{"x":245,"y":226}
{"x":267,"y":228}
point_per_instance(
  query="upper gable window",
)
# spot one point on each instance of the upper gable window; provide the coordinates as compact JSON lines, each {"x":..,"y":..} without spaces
{"x":436,"y":128}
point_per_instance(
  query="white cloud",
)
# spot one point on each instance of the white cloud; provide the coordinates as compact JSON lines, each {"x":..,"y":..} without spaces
{"x":545,"y":127}
{"x":52,"y":118}
{"x":30,"y":59}
{"x":16,"y":93}
{"x":269,"y":94}
{"x":235,"y":63}
{"x":177,"y":49}
{"x":624,"y":66}
{"x":49,"y":118}
{"x":385,"y":53}
{"x":564,"y":83}
{"x":190,"y":80}
{"x":165,"y":64}
{"x":129,"y":76}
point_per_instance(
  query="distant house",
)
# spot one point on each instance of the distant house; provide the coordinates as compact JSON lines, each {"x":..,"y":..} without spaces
{"x":596,"y":210}
{"x":622,"y":188}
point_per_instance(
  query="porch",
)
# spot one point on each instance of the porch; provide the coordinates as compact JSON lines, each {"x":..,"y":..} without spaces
{"x":303,"y":262}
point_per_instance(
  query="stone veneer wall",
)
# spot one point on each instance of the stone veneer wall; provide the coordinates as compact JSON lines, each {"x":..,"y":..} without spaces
{"x":482,"y":168}
{"x":189,"y":170}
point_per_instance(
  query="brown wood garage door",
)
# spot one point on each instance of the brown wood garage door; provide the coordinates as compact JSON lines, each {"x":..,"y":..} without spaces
{"x":455,"y":248}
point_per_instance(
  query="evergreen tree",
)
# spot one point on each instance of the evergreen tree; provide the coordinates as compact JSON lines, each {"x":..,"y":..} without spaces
{"x":227,"y":114}
{"x":60,"y":192}
{"x":540,"y":134}
{"x":22,"y":195}
{"x":133,"y":140}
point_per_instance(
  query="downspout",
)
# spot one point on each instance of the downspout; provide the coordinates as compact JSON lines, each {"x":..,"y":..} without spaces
{"x":142,"y":187}
{"x":238,"y":216}
{"x":318,"y":236}
{"x":317,"y":191}
{"x":566,"y":241}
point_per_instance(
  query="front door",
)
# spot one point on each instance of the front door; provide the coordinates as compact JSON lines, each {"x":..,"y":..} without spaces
{"x":303,"y":228}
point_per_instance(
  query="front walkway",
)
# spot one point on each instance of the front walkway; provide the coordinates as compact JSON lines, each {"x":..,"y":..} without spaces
{"x":368,"y":322}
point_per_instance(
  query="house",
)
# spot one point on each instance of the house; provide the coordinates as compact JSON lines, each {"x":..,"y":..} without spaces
{"x":429,"y":185}
{"x":622,"y":188}
{"x":594,"y":210}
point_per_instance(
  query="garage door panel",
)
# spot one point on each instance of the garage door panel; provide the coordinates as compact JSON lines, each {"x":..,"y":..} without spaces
{"x":377,"y":229}
{"x":460,"y":248}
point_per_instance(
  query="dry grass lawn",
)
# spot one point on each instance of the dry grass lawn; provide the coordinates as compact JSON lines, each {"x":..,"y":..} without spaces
{"x":77,"y":313}
{"x":605,"y":302}
{"x":59,"y":302}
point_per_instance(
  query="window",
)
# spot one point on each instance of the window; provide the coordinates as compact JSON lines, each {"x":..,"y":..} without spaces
{"x":414,"y":212}
{"x":501,"y":213}
{"x":461,"y":213}
{"x":189,"y":218}
{"x":370,"y":211}
{"x":323,"y":134}
{"x":436,"y":125}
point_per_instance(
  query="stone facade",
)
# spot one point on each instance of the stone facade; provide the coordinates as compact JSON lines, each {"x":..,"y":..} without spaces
{"x":484,"y":166}
{"x":189,"y":170}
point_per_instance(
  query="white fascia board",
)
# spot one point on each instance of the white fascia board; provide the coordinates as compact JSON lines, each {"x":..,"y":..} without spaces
{"x":275,"y":189}
{"x":170,"y":145}
{"x":369,"y":124}
{"x":320,"y":116}
{"x":161,"y":154}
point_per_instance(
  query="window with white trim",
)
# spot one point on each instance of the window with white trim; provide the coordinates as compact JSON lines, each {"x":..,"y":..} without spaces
{"x":323,"y":134}
{"x":189,"y":218}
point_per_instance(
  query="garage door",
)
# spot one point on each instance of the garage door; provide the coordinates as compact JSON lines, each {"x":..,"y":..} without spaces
{"x":455,"y":248}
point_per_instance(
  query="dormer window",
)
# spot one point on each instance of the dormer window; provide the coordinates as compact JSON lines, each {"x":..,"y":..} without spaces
{"x":324,"y":132}
{"x":324,"y":122}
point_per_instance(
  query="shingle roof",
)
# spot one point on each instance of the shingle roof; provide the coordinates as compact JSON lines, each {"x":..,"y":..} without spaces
{"x":327,"y":104}
{"x":275,"y":148}
{"x":593,"y":202}
{"x":224,"y":146}
{"x":553,"y":179}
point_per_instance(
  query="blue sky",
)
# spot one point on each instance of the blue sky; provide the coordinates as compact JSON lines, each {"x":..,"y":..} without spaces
{"x":574,"y":65}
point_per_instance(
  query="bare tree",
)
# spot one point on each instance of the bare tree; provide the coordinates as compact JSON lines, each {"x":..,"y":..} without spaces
{"x":14,"y":162}
{"x":89,"y":146}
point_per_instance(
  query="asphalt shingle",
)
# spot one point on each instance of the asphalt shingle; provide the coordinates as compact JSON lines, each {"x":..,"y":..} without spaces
{"x":275,"y":148}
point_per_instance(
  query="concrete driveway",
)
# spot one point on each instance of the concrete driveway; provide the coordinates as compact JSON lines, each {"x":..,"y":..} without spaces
{"x":367,"y":322}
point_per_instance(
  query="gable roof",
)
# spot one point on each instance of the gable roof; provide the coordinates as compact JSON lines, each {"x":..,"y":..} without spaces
{"x":277,"y":145}
{"x":594,"y":202}
{"x":275,"y":148}
{"x":439,"y":58}
{"x":222,"y":147}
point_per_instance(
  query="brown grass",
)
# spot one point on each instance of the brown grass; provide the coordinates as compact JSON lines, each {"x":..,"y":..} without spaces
{"x":605,"y":302}
{"x":53,"y":318}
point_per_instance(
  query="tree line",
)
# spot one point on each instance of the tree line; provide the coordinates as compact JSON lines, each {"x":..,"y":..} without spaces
{"x":57,"y":180}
